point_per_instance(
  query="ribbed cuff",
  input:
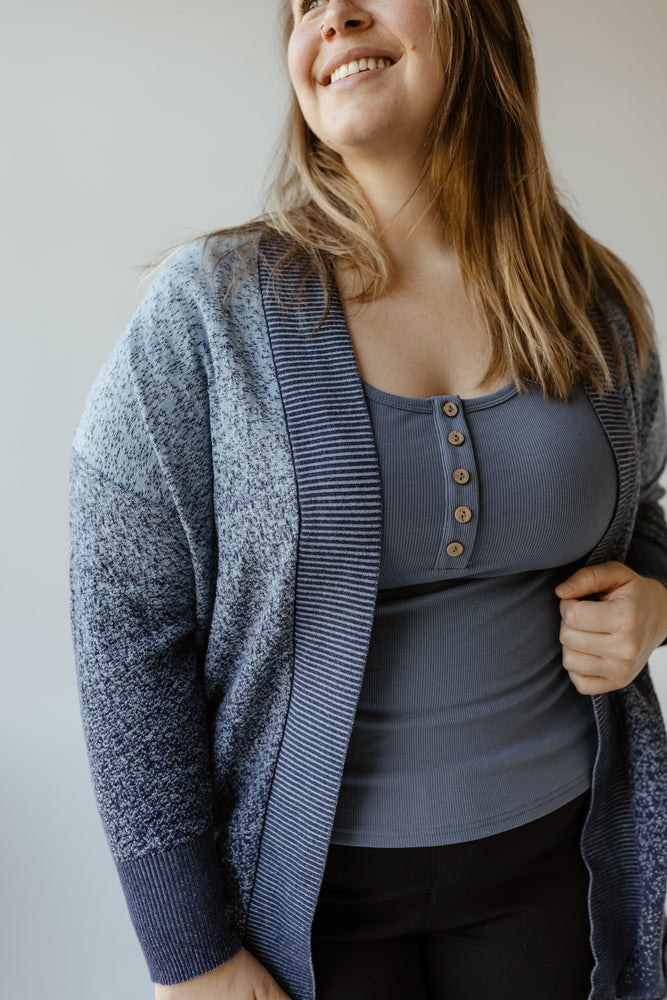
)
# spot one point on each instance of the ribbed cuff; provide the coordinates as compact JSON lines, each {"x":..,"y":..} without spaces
{"x":176,"y":903}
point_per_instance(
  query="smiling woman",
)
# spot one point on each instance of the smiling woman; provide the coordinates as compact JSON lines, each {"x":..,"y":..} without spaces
{"x":388,"y":103}
{"x":368,"y":556}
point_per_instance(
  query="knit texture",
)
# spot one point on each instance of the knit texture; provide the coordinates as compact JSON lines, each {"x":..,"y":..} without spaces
{"x":226,"y":525}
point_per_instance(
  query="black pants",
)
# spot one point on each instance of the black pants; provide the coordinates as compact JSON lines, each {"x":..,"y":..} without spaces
{"x":501,"y":918}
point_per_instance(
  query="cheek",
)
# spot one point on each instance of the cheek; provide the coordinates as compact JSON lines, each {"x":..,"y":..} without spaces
{"x":416,"y":14}
{"x":301,"y":55}
{"x":300,"y":59}
{"x":437,"y":80}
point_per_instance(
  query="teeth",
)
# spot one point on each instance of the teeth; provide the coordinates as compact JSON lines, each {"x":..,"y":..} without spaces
{"x":358,"y":66}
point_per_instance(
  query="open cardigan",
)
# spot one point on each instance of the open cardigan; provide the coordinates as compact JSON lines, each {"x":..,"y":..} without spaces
{"x":226,"y":526}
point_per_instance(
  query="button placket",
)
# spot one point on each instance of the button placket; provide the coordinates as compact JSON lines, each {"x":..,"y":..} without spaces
{"x":461,"y":490}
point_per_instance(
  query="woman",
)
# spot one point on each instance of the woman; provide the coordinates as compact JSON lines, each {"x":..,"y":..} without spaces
{"x":340,"y":503}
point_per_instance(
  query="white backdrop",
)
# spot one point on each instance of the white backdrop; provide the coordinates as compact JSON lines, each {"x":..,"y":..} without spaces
{"x":129,"y":127}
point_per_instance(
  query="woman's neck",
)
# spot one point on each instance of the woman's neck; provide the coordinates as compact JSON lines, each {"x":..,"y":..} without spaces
{"x":411,"y":229}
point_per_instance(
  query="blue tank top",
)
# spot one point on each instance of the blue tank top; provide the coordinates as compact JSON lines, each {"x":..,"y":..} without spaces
{"x":467,"y":723}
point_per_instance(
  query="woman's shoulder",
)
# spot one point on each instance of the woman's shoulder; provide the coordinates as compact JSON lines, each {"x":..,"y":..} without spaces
{"x":204,"y":291}
{"x":213,"y":264}
{"x":164,"y":352}
{"x":610,"y":317}
{"x":642,"y":385}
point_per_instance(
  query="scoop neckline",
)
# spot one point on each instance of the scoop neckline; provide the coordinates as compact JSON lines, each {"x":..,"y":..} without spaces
{"x":426,"y":403}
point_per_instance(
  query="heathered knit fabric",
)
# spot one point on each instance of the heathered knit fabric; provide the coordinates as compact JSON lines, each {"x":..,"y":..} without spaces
{"x":226,"y":526}
{"x":467,"y":724}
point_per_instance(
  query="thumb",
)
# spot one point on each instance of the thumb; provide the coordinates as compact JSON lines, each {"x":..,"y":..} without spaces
{"x":594,"y":580}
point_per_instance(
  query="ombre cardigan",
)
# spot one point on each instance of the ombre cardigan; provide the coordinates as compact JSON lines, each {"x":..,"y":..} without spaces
{"x":226,"y":526}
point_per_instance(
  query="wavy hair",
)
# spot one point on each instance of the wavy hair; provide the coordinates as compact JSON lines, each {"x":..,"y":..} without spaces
{"x":541,"y":283}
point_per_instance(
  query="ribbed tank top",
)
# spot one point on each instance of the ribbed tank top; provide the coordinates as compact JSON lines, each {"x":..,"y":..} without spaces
{"x":467,"y":723}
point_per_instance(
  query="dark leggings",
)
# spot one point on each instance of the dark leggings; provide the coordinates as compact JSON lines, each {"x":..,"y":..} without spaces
{"x":501,"y":918}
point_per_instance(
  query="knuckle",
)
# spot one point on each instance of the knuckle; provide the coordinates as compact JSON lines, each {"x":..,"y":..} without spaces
{"x":570,"y":613}
{"x":565,"y":634}
{"x":629,"y":649}
{"x":579,"y":683}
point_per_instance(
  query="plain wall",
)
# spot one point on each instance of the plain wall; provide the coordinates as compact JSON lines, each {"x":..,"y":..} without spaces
{"x":127,"y":128}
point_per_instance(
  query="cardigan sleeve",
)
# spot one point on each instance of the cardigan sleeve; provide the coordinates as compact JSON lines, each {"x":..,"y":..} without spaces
{"x":141,"y":565}
{"x":648,"y":546}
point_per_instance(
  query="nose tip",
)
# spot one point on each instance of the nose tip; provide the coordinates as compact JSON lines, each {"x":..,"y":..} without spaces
{"x":341,"y":18}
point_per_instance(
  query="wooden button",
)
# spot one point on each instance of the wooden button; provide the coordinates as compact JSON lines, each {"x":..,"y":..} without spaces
{"x":461,"y":476}
{"x":450,"y":409}
{"x":454,"y":549}
{"x":463,"y":514}
{"x":455,"y":437}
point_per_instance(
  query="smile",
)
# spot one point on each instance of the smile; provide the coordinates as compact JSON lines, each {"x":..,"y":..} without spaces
{"x":359,"y":66}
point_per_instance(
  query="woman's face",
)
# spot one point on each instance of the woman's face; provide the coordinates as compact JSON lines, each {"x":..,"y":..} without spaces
{"x":353,"y":105}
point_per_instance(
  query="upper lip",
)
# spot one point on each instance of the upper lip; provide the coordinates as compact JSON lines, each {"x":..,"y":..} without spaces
{"x":360,"y":52}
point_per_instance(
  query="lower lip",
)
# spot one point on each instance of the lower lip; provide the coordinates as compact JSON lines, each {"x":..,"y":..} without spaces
{"x":365,"y":73}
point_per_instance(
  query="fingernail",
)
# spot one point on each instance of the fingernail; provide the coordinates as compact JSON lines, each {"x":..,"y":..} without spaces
{"x":565,"y":588}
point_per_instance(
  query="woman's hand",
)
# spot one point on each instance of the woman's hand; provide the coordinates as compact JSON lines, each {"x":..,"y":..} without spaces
{"x":607,"y":642}
{"x":240,"y":978}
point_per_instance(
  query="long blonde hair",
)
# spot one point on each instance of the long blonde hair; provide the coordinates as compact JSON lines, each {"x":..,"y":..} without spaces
{"x":533,"y":274}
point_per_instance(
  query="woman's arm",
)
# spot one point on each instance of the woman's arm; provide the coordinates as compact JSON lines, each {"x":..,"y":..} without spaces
{"x":607,"y":642}
{"x":142,"y":560}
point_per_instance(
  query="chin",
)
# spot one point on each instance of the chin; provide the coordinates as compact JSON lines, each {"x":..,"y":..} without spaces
{"x":358,"y":136}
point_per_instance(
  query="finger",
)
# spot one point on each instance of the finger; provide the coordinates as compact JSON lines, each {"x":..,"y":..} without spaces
{"x":577,"y":662}
{"x":598,"y":644}
{"x":591,"y":684}
{"x":595,"y":580}
{"x":590,"y":616}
